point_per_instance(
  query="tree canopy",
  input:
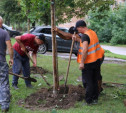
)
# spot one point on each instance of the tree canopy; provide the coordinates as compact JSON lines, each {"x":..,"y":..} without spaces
{"x":39,"y":10}
{"x":109,"y":25}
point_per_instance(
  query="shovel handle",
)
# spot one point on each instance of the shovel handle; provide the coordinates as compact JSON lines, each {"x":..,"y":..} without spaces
{"x":29,"y":57}
{"x":27,"y":78}
{"x":17,"y":75}
{"x":69,"y":61}
{"x":37,"y":69}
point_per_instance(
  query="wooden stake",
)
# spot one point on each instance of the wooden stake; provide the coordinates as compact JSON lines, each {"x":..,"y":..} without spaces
{"x":54,"y":50}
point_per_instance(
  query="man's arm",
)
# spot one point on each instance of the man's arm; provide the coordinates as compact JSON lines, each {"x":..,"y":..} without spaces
{"x":65,"y":35}
{"x":84,"y":54}
{"x":34,"y":56}
{"x":10,"y":50}
{"x":18,"y":39}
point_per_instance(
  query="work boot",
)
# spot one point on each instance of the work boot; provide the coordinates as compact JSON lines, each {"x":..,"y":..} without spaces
{"x":15,"y":86}
{"x":29,"y":86}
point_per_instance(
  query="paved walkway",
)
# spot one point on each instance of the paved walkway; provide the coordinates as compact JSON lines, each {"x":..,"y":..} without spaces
{"x":117,"y":50}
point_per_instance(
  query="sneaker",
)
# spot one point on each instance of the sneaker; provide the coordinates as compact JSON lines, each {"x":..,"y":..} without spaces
{"x":5,"y":110}
{"x":29,"y":86}
{"x":15,"y":87}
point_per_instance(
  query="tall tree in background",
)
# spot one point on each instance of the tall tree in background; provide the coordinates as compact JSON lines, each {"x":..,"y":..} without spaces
{"x":11,"y":11}
{"x":39,"y":10}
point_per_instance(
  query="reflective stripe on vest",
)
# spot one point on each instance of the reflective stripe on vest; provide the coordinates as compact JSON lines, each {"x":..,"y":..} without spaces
{"x":90,"y":48}
{"x":93,"y":45}
{"x":91,"y":51}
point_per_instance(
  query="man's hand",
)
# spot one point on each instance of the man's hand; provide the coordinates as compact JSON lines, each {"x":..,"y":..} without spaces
{"x":81,"y":66}
{"x":74,"y":37}
{"x":23,"y":49}
{"x":55,"y":29}
{"x":10,"y":62}
{"x":34,"y":65}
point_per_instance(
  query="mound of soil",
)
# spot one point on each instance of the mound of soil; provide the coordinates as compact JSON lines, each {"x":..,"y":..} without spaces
{"x":33,"y":70}
{"x":44,"y":98}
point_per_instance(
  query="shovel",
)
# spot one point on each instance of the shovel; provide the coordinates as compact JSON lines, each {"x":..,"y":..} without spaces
{"x":69,"y":62}
{"x":37,"y":69}
{"x":26,"y":78}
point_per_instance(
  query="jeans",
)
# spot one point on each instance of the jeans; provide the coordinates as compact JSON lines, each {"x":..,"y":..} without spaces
{"x":4,"y":86}
{"x":21,"y":63}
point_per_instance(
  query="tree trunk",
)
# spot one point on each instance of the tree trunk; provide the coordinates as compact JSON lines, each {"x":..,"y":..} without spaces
{"x":54,"y":51}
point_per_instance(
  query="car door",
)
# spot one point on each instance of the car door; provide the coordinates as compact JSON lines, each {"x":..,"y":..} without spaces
{"x":66,"y":45}
{"x":59,"y":43}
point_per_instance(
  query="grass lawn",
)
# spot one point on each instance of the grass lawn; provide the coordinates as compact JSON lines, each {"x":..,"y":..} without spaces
{"x":111,"y":100}
{"x":109,"y":44}
{"x":113,"y":55}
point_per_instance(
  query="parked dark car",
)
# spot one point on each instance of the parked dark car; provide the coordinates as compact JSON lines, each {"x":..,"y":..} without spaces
{"x":62,"y":45}
{"x":11,"y":32}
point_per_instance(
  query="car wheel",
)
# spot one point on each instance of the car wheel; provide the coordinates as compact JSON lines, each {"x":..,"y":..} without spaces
{"x":42,"y":49}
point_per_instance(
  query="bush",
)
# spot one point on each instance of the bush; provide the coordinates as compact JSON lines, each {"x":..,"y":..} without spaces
{"x":109,"y":25}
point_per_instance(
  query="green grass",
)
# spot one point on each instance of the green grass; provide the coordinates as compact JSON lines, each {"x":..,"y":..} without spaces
{"x":113,"y":55}
{"x":111,"y":101}
{"x":13,"y":40}
{"x":109,"y":44}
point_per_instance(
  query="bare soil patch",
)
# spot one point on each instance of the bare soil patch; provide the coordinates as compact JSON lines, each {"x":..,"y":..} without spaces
{"x":33,"y":70}
{"x":45,"y":100}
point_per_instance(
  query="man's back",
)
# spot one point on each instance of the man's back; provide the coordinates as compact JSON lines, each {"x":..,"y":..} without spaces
{"x":3,"y":38}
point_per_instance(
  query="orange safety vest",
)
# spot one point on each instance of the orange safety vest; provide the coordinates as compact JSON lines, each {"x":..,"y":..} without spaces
{"x":95,"y":51}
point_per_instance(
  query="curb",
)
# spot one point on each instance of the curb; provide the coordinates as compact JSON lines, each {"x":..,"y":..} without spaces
{"x":114,"y":59}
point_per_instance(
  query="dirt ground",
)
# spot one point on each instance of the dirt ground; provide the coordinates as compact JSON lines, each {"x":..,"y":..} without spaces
{"x":33,"y":70}
{"x":45,"y":100}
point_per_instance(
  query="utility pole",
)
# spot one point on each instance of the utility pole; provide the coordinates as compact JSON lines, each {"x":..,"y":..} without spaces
{"x":54,"y":50}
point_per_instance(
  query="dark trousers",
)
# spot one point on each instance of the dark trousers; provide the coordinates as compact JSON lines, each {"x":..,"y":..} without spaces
{"x":21,"y":63}
{"x":101,"y":61}
{"x":4,"y":86}
{"x":90,"y":81}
